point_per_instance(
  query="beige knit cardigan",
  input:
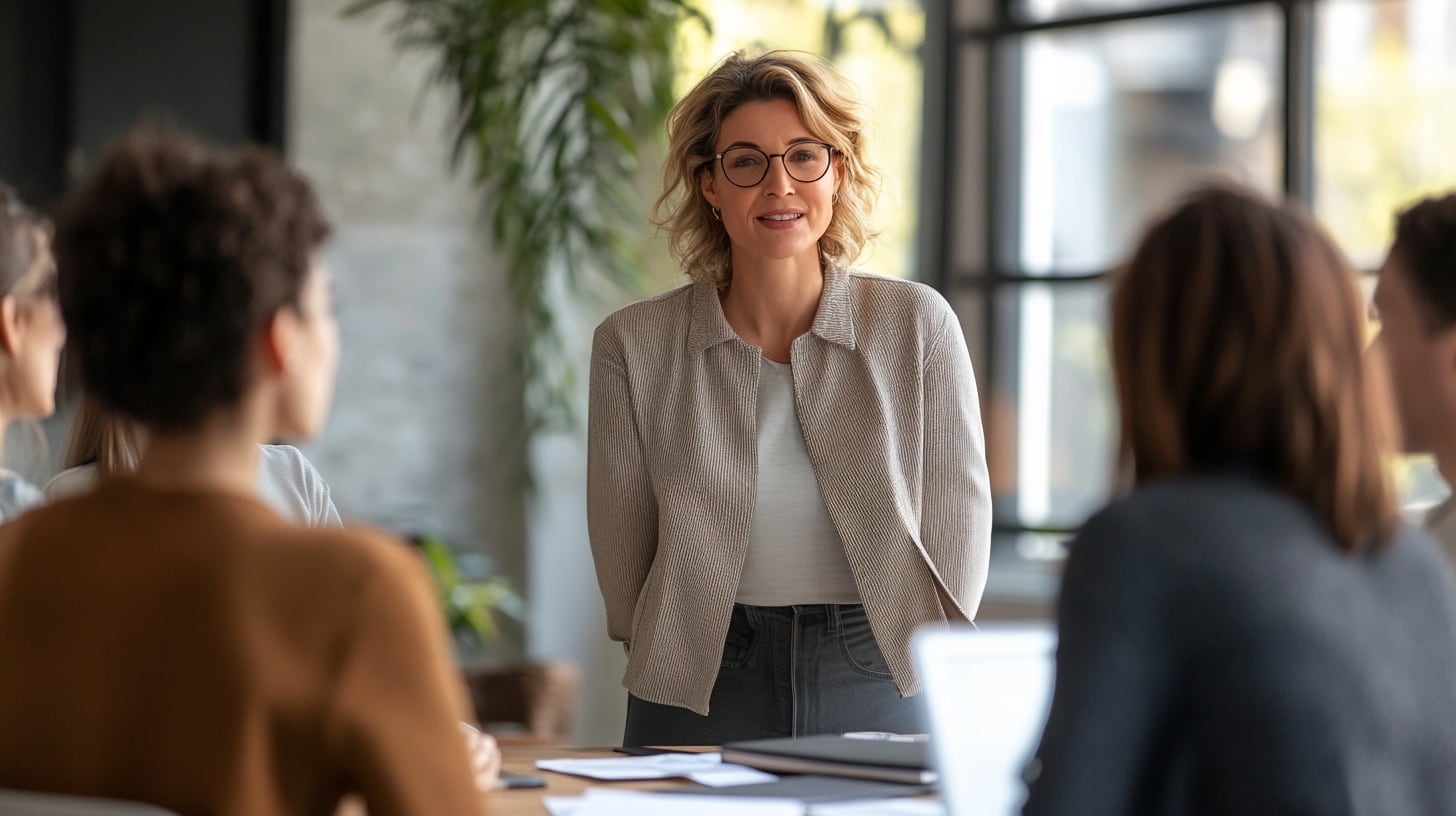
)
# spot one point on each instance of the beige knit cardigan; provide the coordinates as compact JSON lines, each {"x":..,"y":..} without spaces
{"x":887,"y":403}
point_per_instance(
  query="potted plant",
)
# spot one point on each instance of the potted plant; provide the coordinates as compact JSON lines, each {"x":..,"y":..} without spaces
{"x":556,"y":104}
{"x":518,"y":700}
{"x":483,"y":612}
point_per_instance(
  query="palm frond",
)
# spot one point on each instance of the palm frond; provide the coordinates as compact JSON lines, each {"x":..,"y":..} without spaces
{"x":553,"y":100}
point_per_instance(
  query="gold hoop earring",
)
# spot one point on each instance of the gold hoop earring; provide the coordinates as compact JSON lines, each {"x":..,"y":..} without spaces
{"x":717,"y":213}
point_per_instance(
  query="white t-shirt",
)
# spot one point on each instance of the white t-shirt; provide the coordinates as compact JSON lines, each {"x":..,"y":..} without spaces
{"x":794,"y":553}
{"x":16,"y":495}
{"x":287,"y":482}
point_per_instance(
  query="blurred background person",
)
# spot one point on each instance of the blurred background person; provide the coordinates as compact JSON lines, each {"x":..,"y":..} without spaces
{"x":31,"y":333}
{"x":1250,"y":631}
{"x":174,"y":640}
{"x":103,"y":443}
{"x":1415,"y":301}
{"x":786,"y":470}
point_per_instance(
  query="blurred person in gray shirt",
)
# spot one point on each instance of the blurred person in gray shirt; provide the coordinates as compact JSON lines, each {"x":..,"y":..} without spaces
{"x":1415,"y":302}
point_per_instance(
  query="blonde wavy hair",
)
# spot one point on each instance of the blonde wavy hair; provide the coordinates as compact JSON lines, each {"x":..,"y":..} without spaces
{"x":831,"y":111}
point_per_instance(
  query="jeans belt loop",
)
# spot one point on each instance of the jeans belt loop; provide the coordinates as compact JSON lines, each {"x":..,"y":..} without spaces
{"x":836,"y":623}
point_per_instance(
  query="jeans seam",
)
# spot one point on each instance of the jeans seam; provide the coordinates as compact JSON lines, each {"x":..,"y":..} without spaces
{"x":849,"y":656}
{"x":751,"y":649}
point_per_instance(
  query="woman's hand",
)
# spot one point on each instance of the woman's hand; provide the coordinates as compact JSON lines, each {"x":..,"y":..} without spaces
{"x":485,"y":757}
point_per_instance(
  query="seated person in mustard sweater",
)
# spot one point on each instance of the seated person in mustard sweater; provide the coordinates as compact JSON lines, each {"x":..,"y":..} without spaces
{"x":170,"y":639}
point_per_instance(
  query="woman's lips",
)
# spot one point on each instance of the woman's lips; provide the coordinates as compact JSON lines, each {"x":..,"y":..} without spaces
{"x":786,"y":220}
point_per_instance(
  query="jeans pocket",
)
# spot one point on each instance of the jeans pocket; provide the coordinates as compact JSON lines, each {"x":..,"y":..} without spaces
{"x":738,"y":645}
{"x":861,"y":651}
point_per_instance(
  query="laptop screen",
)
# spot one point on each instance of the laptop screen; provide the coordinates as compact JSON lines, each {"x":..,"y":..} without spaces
{"x":987,"y":693}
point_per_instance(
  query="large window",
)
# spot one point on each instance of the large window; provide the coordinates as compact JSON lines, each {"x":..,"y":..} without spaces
{"x":1069,"y":122}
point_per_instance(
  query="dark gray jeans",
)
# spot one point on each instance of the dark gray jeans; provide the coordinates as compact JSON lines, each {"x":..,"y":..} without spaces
{"x":787,"y":671}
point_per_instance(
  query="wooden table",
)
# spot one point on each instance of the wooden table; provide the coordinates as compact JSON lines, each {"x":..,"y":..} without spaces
{"x":528,"y":801}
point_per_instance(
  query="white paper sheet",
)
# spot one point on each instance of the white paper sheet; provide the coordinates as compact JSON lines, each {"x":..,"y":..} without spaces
{"x":879,"y":807}
{"x":729,"y":774}
{"x":705,"y":769}
{"x":606,"y":802}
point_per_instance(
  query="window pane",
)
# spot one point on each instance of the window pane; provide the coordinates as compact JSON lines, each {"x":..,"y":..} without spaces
{"x":1421,"y":485}
{"x":966,"y":191}
{"x":1051,"y":414}
{"x":1385,"y":114}
{"x":1038,"y":10}
{"x":1024,"y":576}
{"x":970,"y":306}
{"x":1116,"y":120}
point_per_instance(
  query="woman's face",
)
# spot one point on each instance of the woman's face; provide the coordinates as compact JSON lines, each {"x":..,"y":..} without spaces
{"x":39,"y":336}
{"x":310,"y":346}
{"x":780,"y":217}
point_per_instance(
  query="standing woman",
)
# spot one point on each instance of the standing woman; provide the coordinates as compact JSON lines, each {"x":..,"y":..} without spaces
{"x":786,"y":473}
{"x":31,"y":334}
{"x":1249,"y":631}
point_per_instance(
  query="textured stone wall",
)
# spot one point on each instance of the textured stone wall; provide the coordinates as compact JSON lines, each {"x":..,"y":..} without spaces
{"x":425,"y":427}
{"x":421,"y":437}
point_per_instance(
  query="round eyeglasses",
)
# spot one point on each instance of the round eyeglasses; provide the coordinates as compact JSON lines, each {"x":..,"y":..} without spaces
{"x":805,"y":162}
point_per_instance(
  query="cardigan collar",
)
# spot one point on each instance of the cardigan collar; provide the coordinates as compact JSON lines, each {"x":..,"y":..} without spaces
{"x":833,"y":320}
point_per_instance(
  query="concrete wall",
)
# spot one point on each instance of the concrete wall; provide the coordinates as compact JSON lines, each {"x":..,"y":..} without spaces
{"x":421,"y":436}
{"x":425,"y":428}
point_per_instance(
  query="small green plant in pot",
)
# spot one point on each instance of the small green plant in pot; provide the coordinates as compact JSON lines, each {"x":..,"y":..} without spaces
{"x":484,"y":612}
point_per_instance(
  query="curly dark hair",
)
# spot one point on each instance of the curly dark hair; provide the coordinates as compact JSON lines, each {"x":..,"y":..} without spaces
{"x":172,"y":256}
{"x":1425,"y":245}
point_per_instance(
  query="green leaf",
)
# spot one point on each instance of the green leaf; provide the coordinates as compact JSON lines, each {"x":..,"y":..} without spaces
{"x":551,"y":101}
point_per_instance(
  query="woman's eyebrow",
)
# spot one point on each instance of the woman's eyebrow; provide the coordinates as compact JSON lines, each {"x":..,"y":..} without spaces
{"x":791,"y":142}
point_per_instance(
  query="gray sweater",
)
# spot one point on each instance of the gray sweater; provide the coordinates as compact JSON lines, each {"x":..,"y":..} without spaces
{"x":1219,"y":655}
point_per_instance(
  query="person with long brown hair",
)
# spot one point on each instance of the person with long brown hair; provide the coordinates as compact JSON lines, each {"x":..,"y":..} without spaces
{"x":1250,"y":631}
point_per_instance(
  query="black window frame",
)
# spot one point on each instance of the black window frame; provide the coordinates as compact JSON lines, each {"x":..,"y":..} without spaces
{"x":998,"y":202}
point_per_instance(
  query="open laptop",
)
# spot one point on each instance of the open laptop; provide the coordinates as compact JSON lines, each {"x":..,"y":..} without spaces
{"x":987,"y":692}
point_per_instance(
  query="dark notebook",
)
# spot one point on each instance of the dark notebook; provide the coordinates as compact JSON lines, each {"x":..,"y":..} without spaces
{"x":883,"y":760}
{"x":813,"y":789}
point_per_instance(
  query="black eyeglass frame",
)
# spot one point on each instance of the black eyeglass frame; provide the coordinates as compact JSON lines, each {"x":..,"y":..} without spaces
{"x":768,"y":159}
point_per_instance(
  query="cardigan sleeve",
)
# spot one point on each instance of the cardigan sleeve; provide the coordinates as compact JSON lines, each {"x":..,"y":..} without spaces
{"x":955,"y":520}
{"x":396,"y":702}
{"x":621,"y":505}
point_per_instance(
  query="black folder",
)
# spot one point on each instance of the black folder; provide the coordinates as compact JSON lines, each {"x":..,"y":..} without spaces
{"x":812,"y":789}
{"x":881,"y":760}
